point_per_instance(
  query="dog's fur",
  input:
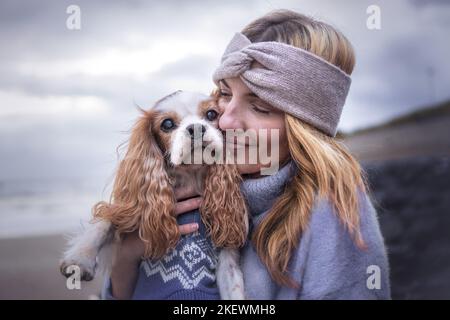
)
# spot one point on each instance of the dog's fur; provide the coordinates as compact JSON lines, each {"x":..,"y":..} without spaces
{"x":143,"y":199}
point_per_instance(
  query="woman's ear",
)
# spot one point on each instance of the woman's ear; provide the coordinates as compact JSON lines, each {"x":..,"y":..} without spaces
{"x":142,"y":197}
{"x":223,"y":209}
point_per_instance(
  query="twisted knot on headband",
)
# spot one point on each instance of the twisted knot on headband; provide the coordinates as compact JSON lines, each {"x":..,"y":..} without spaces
{"x":288,"y":78}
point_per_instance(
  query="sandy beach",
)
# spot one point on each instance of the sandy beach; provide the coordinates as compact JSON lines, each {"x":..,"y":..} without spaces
{"x":29,"y":270}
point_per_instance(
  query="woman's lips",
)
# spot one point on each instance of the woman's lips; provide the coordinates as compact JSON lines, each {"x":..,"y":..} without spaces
{"x":238,"y":146}
{"x":236,"y":142}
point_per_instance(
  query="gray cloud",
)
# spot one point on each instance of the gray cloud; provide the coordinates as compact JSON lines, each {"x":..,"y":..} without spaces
{"x":421,"y":3}
{"x":392,"y":74}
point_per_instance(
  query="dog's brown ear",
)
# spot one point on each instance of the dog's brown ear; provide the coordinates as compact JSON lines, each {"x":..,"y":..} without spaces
{"x":223,"y":209}
{"x":142,"y":197}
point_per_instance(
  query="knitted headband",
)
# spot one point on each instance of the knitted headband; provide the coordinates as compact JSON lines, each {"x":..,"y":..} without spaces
{"x":292,"y":79}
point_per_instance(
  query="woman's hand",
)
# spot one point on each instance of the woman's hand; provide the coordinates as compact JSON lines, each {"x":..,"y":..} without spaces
{"x":125,"y":270}
{"x":193,"y":202}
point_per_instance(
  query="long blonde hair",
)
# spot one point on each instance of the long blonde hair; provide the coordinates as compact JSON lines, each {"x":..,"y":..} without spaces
{"x":326,"y":169}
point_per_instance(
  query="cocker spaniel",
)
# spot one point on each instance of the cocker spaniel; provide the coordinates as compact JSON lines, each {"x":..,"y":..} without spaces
{"x":163,"y":154}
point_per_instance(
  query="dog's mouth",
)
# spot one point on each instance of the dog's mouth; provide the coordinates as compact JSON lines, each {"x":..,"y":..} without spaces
{"x":201,"y":148}
{"x":198,"y":152}
{"x":197,"y":149}
{"x":200,"y":144}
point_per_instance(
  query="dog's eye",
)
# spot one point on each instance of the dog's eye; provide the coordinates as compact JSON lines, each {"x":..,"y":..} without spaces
{"x":167,"y":125}
{"x":211,"y":115}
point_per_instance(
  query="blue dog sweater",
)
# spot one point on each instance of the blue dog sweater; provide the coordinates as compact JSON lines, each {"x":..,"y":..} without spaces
{"x":187,"y":272}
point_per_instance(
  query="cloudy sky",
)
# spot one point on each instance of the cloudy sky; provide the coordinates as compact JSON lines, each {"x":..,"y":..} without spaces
{"x":68,"y":96}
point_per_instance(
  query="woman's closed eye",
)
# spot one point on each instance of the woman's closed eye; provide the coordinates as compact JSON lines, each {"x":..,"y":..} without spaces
{"x":224,"y":93}
{"x":259,"y":109}
{"x":227,"y":95}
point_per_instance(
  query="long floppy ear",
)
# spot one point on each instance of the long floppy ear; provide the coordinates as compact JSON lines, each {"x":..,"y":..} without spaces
{"x":223,"y":209}
{"x":142,"y":197}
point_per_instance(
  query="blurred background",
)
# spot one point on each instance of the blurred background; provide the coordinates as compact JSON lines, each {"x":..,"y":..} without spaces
{"x":68,"y":97}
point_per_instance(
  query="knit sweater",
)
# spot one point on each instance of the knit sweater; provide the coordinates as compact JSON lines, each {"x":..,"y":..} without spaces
{"x":187,"y":272}
{"x":326,"y":263}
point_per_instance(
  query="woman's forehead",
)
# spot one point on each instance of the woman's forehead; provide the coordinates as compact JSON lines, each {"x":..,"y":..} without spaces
{"x":238,"y":86}
{"x":235,"y":84}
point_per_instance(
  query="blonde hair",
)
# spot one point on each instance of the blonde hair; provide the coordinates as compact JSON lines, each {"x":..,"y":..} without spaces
{"x":326,"y":169}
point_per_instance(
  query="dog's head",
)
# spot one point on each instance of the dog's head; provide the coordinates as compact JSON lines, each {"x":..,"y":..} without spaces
{"x":184,"y":124}
{"x":170,"y":134}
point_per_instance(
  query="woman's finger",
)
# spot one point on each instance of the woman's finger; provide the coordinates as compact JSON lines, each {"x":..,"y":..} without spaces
{"x":185,"y":192}
{"x":188,"y":228}
{"x":187,"y":205}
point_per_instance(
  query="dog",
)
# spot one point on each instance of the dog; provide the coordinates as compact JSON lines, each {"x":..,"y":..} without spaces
{"x":143,"y":199}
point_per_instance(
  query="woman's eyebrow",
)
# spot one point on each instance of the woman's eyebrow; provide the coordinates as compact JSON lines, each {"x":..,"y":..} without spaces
{"x":224,"y":83}
{"x":250,"y":94}
{"x":263,"y":103}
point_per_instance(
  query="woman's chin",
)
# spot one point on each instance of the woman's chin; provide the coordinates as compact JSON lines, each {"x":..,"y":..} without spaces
{"x":249,"y":169}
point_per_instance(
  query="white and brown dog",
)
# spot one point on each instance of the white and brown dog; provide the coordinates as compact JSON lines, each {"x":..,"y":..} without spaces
{"x":143,"y":199}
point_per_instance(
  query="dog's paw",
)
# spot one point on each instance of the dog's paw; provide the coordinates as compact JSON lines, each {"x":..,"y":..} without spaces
{"x":86,"y":271}
{"x":236,"y":293}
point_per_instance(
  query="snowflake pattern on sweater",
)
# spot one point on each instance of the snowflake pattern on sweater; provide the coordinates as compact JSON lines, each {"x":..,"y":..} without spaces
{"x":189,"y":263}
{"x":187,"y":272}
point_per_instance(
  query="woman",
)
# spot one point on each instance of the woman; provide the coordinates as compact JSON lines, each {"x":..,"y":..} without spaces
{"x":314,"y":232}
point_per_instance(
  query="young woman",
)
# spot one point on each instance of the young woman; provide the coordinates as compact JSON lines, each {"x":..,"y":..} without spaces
{"x":314,"y":232}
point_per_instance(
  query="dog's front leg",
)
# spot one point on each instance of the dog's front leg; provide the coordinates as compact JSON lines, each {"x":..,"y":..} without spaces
{"x":84,"y":248}
{"x":229,"y":275}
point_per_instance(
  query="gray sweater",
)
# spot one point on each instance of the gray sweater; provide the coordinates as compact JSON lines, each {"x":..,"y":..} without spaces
{"x":327,"y":264}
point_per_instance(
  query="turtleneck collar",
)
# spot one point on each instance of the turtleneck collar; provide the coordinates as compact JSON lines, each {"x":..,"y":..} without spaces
{"x":262,"y":192}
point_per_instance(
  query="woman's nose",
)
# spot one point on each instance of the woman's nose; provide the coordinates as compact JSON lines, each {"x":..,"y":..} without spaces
{"x":231,"y":117}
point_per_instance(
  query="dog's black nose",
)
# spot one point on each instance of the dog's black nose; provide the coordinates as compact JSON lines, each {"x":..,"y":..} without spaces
{"x":196,"y":129}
